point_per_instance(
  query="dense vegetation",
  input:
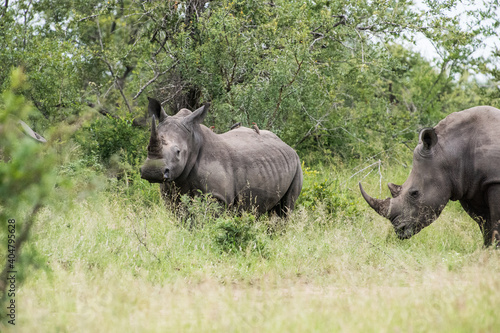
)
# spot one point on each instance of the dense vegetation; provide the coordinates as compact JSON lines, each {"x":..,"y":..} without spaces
{"x":340,"y":81}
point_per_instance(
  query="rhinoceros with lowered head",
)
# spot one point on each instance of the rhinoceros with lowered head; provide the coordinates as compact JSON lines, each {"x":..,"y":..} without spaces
{"x":458,"y":159}
{"x":240,"y":168}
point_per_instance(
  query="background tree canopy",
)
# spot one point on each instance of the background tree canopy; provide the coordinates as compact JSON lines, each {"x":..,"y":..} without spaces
{"x":333,"y":78}
{"x":338,"y":80}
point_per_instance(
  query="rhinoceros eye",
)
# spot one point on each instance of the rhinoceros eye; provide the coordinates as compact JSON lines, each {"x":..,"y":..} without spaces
{"x":177,"y":151}
{"x":414,"y":194}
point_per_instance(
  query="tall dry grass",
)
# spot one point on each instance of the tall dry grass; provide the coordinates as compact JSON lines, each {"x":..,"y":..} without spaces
{"x":117,"y":264}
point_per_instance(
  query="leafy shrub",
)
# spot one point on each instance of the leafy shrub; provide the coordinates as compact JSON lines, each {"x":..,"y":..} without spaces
{"x":27,"y":183}
{"x":115,"y":143}
{"x":327,"y":193}
{"x":240,"y":234}
{"x":196,"y":211}
{"x":231,"y":231}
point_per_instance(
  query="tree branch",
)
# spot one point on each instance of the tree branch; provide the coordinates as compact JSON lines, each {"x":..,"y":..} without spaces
{"x":23,"y":236}
{"x":40,"y":108}
{"x":102,"y":110}
{"x":117,"y":84}
{"x":157,"y":74}
{"x":4,"y":11}
{"x":278,"y":104}
{"x":143,"y":243}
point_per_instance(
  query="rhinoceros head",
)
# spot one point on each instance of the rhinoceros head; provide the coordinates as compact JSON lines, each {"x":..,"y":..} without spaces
{"x":419,"y":201}
{"x":173,"y":144}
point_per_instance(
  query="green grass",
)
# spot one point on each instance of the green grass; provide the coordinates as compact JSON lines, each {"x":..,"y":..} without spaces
{"x":118,"y":263}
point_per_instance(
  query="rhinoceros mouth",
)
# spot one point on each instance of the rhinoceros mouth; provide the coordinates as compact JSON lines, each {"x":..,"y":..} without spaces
{"x":403,"y":229}
{"x":152,"y":180}
{"x":400,"y":228}
{"x":403,"y":233}
{"x":406,"y":230}
{"x":151,"y":176}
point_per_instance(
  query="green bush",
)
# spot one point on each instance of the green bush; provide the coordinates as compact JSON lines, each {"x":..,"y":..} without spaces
{"x":28,"y":178}
{"x":240,"y":235}
{"x":327,"y":193}
{"x":195,"y":212}
{"x":115,"y":143}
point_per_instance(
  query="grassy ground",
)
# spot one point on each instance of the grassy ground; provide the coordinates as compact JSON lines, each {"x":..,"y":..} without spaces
{"x":116,"y":263}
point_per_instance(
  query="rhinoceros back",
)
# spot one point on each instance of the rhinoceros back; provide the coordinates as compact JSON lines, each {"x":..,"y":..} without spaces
{"x":248,"y":168}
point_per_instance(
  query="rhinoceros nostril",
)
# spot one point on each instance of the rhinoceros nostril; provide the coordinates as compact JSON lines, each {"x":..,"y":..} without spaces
{"x":166,"y":174}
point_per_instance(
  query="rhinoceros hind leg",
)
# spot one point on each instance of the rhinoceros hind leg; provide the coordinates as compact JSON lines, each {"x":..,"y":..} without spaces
{"x":287,"y":203}
{"x":494,"y":225}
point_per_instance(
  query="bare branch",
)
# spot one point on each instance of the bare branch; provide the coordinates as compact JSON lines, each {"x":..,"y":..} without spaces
{"x":278,"y":104}
{"x":313,"y":128}
{"x":143,"y":243}
{"x":157,"y":74}
{"x":342,"y":21}
{"x":20,"y":239}
{"x":321,"y":36}
{"x":115,"y":78}
{"x":88,"y":18}
{"x":26,"y":23}
{"x":4,"y":11}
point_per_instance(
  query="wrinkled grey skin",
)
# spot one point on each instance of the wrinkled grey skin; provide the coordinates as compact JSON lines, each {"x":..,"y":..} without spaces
{"x":239,"y":167}
{"x":459,"y":159}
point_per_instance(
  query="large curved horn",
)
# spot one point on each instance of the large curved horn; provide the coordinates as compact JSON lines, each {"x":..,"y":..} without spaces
{"x":380,"y":206}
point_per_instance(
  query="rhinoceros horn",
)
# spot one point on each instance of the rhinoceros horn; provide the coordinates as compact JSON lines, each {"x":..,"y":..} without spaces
{"x":154,"y":135}
{"x":154,"y":142}
{"x":380,"y":206}
{"x":395,"y":189}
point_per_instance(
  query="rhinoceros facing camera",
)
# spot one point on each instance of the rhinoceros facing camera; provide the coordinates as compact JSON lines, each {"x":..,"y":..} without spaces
{"x":244,"y":167}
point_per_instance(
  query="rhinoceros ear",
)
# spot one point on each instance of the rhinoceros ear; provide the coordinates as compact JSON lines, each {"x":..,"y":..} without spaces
{"x":197,"y":116}
{"x":429,"y":138}
{"x":154,"y":108}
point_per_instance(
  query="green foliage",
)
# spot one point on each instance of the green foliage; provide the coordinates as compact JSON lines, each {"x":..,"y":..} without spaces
{"x":27,"y":180}
{"x":326,"y":192}
{"x":240,"y":235}
{"x":197,"y":211}
{"x":230,"y":232}
{"x":114,"y":143}
{"x":310,"y":272}
{"x":27,"y":170}
{"x":335,"y":78}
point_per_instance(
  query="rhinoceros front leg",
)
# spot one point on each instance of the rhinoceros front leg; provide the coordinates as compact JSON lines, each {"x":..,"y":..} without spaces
{"x":482,"y":217}
{"x":493,"y":233}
